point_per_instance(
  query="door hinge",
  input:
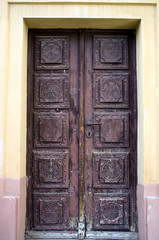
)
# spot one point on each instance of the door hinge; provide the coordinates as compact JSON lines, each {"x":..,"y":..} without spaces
{"x":81,"y":230}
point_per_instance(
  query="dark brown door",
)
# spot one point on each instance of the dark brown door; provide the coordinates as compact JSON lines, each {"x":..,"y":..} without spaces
{"x":110,"y":127}
{"x":81,"y":132}
{"x":53,"y":131}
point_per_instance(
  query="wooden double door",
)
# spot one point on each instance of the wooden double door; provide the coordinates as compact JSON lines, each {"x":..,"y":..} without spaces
{"x":81,"y":132}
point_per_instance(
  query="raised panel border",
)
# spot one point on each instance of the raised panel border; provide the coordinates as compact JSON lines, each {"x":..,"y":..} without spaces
{"x":60,"y":176}
{"x":39,"y":117}
{"x":99,"y":119}
{"x":98,"y":63}
{"x":62,"y":64}
{"x":124,"y":82}
{"x":61,"y":81}
{"x":107,"y":206}
{"x":61,"y":211}
{"x":121,"y":180}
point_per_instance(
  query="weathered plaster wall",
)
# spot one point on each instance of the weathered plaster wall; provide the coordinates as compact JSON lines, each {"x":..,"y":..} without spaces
{"x":16,"y":16}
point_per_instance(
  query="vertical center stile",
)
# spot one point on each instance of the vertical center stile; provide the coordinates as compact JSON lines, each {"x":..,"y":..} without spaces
{"x":81,"y":135}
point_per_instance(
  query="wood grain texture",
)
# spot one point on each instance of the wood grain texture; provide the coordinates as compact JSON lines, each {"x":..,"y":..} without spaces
{"x":110,"y":119}
{"x":52,"y":160}
{"x":82,"y":133}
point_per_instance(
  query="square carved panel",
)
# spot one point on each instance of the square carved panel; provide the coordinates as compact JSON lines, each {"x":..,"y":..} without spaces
{"x":111,"y":211}
{"x":112,"y":130}
{"x":51,"y":170}
{"x":111,"y":170}
{"x":110,"y":52}
{"x":111,"y":90}
{"x":51,"y":211}
{"x":51,"y":52}
{"x":51,"y":130}
{"x":51,"y":91}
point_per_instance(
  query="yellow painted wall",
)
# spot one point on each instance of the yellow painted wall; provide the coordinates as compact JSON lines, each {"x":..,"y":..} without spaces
{"x":16,"y":16}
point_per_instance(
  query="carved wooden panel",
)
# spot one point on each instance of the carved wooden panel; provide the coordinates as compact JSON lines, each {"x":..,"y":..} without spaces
{"x":51,"y":130}
{"x":111,"y":170}
{"x":77,"y":79}
{"x":50,"y":170}
{"x":112,"y":130}
{"x":111,"y":211}
{"x":110,"y":52}
{"x":51,"y":211}
{"x":51,"y":91}
{"x":111,"y":90}
{"x":51,"y":52}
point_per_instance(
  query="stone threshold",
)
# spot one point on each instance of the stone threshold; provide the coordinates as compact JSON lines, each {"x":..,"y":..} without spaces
{"x":94,"y":235}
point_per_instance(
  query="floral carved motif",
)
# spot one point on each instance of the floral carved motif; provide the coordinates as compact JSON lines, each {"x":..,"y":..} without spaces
{"x":51,"y":91}
{"x":111,"y":212}
{"x":111,"y":91}
{"x":51,"y":51}
{"x":110,"y":171}
{"x":111,"y":52}
{"x":51,"y":212}
{"x":50,"y":170}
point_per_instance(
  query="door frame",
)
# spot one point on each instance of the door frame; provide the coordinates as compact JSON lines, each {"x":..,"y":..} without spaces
{"x":18,"y":17}
{"x":99,"y":234}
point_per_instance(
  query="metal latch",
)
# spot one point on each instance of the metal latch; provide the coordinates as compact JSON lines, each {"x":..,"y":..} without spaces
{"x":88,"y":129}
{"x":81,"y":230}
{"x":93,"y":124}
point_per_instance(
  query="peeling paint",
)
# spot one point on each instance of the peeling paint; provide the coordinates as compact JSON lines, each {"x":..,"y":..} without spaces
{"x":149,"y":207}
{"x":148,"y":218}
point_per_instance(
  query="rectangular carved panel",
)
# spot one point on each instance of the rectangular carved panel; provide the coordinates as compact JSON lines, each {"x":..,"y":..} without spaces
{"x":51,"y":52}
{"x":51,"y":130}
{"x":51,"y":211}
{"x":51,"y":170}
{"x":111,"y":170}
{"x":110,"y":52}
{"x":111,"y":90}
{"x":111,"y":211}
{"x":51,"y":91}
{"x":112,"y":130}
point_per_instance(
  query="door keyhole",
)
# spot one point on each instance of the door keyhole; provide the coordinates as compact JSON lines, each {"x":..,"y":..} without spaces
{"x":88,"y":133}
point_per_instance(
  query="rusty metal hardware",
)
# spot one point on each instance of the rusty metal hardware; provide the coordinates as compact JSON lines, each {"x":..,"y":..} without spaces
{"x":88,"y":131}
{"x":81,"y":230}
{"x":93,"y":124}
